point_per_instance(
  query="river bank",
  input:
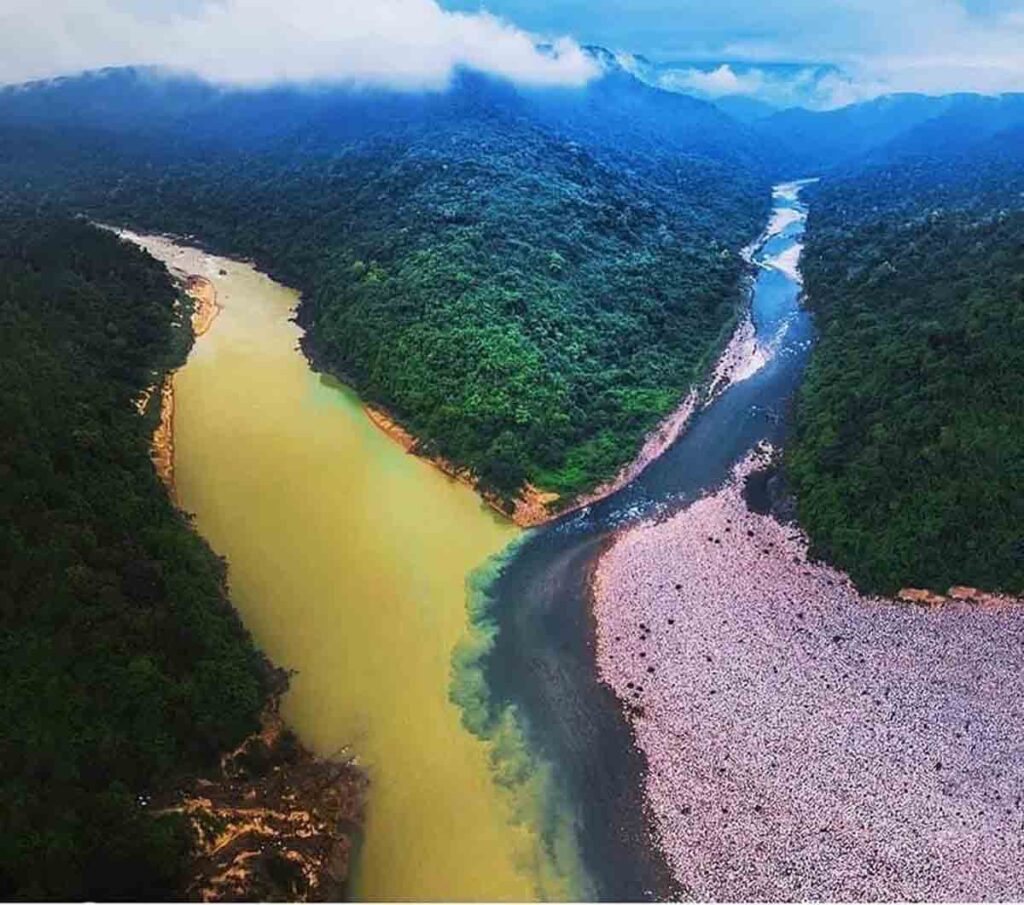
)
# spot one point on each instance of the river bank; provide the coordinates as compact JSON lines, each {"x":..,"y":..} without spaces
{"x":803,"y":741}
{"x":274,"y":821}
{"x":528,"y":509}
{"x":204,"y":312}
{"x":533,"y":507}
{"x":205,"y":309}
{"x":741,"y":358}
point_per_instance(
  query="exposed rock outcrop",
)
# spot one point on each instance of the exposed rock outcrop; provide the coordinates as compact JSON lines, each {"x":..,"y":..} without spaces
{"x":277,"y":824}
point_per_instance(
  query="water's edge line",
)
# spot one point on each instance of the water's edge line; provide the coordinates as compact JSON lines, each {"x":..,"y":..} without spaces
{"x":619,"y":533}
{"x":555,"y":862}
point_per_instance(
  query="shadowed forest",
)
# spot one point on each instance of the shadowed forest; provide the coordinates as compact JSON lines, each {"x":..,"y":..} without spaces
{"x":125,"y":665}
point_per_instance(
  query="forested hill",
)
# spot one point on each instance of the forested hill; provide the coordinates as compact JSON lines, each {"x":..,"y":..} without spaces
{"x":908,"y":453}
{"x":124,"y":664}
{"x":890,"y":128}
{"x":529,"y":280}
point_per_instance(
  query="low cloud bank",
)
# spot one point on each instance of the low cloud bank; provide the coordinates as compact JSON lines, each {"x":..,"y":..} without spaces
{"x":827,"y":86}
{"x":811,"y":86}
{"x":780,"y":85}
{"x":394,"y":43}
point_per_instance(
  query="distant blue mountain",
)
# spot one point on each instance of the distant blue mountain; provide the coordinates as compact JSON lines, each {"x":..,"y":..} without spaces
{"x":890,"y":127}
{"x":527,"y":278}
{"x":617,"y":113}
{"x":747,"y":91}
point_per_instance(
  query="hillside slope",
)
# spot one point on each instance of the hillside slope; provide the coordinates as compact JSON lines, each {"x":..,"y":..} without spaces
{"x":525,"y":285}
{"x":124,"y":664}
{"x":886,"y":129}
{"x":907,"y":457}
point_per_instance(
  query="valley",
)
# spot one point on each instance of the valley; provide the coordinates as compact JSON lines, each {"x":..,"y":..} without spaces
{"x":610,"y":512}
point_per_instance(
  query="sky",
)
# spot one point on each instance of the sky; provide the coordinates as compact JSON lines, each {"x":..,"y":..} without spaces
{"x":933,"y":46}
{"x":400,"y":43}
{"x":876,"y":46}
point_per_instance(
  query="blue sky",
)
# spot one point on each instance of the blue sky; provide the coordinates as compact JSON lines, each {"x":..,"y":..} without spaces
{"x":878,"y":46}
{"x":789,"y":29}
{"x":924,"y":45}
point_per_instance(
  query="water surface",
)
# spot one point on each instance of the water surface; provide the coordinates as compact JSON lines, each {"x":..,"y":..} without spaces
{"x":543,"y":664}
{"x":348,"y":560}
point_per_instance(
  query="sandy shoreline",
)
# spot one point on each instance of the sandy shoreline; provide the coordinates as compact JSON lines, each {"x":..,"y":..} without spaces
{"x":302,"y":812}
{"x":161,"y":447}
{"x":804,"y":741}
{"x":206,"y":309}
{"x":740,"y":359}
{"x":530,"y":507}
{"x":788,"y":263}
{"x":185,"y":264}
{"x":204,"y":295}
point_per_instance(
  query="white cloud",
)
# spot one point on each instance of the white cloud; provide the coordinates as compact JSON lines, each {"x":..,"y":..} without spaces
{"x":876,"y":46}
{"x":400,"y":43}
{"x":926,"y":46}
{"x":882,"y":46}
{"x":719,"y":82}
{"x":819,"y":87}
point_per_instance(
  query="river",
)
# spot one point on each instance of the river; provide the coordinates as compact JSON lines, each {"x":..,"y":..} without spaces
{"x":348,"y":561}
{"x":543,"y":664}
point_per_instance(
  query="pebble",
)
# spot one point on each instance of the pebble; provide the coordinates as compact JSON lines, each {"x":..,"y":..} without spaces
{"x":876,"y":748}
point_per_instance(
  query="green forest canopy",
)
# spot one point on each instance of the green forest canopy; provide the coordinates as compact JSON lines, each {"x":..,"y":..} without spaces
{"x":526,"y":289}
{"x":908,"y":451}
{"x":124,"y":663}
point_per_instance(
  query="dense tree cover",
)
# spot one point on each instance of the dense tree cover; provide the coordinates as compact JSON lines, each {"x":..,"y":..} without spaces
{"x":908,"y":452}
{"x":122,"y":660}
{"x":525,"y":287}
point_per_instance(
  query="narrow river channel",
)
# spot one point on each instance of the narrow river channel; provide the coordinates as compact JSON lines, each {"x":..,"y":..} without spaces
{"x":349,"y":559}
{"x":543,"y":664}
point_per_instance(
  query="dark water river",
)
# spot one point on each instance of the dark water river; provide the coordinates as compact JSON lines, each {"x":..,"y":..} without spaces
{"x":542,"y":664}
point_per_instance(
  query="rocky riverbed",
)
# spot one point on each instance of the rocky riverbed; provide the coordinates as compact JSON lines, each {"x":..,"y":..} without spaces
{"x":803,"y":741}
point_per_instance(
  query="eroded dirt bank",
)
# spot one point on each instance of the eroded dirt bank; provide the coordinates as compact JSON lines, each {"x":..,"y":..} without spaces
{"x":204,"y":311}
{"x":530,"y":508}
{"x":276,"y":824}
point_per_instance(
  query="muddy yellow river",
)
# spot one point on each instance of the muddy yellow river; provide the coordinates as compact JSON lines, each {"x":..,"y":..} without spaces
{"x":348,"y":561}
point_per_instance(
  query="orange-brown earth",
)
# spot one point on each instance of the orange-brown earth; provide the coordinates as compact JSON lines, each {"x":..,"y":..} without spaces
{"x":530,"y":508}
{"x":276,"y":824}
{"x":741,"y":358}
{"x":204,"y":312}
